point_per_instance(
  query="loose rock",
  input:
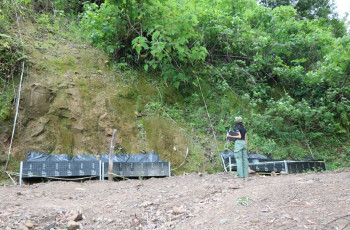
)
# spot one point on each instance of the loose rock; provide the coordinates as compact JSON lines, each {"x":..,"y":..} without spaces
{"x":177,"y":210}
{"x":29,"y":224}
{"x":222,"y":221}
{"x":136,"y":221}
{"x":145,"y":204}
{"x":72,"y":225}
{"x":77,"y":217}
{"x":22,"y":227}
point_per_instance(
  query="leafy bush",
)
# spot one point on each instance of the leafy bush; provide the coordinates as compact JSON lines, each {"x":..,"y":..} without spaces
{"x":159,"y":35}
{"x":288,"y":76}
{"x":11,"y":55}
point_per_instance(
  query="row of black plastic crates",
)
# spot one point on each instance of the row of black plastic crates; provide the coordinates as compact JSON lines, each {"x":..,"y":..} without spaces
{"x":97,"y":169}
{"x":287,"y":166}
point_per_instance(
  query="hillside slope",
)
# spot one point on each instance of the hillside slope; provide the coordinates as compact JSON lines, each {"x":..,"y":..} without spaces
{"x":71,"y":101}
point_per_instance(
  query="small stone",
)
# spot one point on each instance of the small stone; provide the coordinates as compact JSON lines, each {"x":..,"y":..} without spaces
{"x":22,"y":227}
{"x":77,"y":217}
{"x":29,"y":224}
{"x":96,"y":224}
{"x":145,"y":204}
{"x":283,"y":173}
{"x":222,"y":221}
{"x":200,"y":174}
{"x":72,"y":225}
{"x":38,"y":194}
{"x":136,"y":222}
{"x":287,"y":216}
{"x":273,"y":173}
{"x":177,"y":210}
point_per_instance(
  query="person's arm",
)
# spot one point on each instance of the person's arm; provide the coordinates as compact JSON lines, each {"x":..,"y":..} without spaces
{"x":238,"y":136}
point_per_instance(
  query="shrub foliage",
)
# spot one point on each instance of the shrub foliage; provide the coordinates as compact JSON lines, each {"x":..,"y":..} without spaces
{"x":285,"y":69}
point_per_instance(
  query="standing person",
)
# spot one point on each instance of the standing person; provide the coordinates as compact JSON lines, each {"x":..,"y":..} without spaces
{"x":241,"y":143}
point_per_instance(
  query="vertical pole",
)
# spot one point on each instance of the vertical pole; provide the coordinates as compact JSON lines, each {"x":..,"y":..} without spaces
{"x":20,"y":173}
{"x":169,"y":170}
{"x":229,"y":163}
{"x":111,"y":153}
{"x":286,"y":167}
{"x":99,"y":170}
{"x":103,"y":170}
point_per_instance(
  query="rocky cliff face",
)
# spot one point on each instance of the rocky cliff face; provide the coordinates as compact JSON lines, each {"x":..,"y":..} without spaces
{"x":71,"y":102}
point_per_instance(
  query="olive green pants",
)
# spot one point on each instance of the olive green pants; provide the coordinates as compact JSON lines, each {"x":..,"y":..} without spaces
{"x":241,"y":158}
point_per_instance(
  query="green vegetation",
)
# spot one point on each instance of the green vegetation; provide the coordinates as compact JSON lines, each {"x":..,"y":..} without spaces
{"x":285,"y":70}
{"x":11,"y":55}
{"x":243,"y":201}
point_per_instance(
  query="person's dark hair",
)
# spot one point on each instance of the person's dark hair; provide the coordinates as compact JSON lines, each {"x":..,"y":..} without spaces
{"x":239,"y":123}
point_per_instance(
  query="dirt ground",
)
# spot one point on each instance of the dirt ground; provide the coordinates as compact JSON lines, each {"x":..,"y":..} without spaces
{"x":194,"y":201}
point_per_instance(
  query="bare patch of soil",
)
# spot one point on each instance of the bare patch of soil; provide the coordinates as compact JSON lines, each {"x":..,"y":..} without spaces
{"x":194,"y":201}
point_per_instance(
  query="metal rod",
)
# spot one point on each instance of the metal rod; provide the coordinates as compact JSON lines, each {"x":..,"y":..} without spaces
{"x":111,"y":153}
{"x":13,"y":181}
{"x":20,"y":173}
{"x":169,"y":170}
{"x":223,"y":162}
{"x":99,"y":169}
{"x":229,"y":163}
{"x":103,"y":171}
{"x":286,"y":166}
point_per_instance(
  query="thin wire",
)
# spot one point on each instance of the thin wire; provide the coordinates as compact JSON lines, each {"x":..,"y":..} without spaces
{"x":18,"y":94}
{"x":206,"y":108}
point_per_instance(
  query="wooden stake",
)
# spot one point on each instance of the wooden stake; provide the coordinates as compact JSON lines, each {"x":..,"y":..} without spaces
{"x":111,"y":153}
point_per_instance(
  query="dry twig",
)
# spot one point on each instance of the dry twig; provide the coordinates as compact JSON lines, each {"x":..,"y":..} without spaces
{"x":338,"y":218}
{"x":296,"y":194}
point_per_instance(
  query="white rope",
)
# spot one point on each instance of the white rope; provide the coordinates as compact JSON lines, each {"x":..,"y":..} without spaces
{"x":18,"y":94}
{"x":206,"y":108}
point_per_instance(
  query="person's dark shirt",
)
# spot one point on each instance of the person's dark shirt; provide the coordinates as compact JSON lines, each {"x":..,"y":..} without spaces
{"x":242,"y":130}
